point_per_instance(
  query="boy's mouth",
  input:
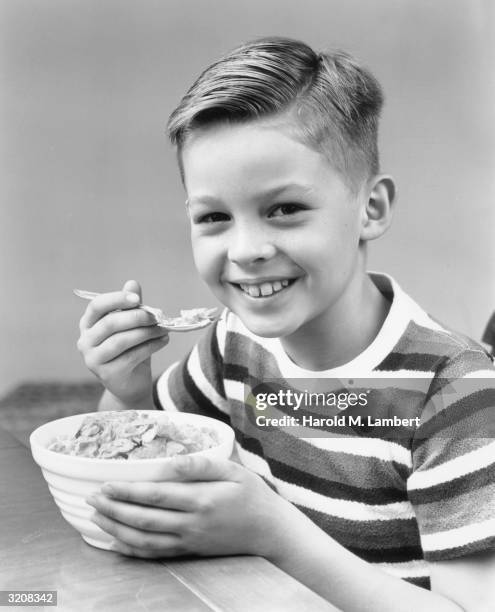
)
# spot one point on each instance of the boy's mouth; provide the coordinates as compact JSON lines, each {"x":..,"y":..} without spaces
{"x":264,"y":289}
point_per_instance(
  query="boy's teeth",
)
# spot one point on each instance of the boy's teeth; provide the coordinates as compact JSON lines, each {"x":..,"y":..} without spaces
{"x":264,"y":289}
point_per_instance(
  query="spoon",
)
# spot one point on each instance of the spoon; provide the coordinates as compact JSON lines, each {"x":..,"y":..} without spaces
{"x":169,"y":323}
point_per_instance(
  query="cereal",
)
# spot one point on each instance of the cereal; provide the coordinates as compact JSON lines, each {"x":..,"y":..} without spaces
{"x":131,"y":435}
{"x":189,"y":317}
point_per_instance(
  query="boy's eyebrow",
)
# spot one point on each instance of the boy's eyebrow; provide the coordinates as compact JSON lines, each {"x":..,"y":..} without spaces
{"x":262,"y":195}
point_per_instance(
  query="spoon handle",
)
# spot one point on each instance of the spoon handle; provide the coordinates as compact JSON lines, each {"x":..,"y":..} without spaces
{"x":90,"y":295}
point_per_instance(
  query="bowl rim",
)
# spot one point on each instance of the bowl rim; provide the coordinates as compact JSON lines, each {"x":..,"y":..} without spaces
{"x":38,"y":448}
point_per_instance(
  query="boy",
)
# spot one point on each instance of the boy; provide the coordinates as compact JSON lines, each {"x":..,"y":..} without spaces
{"x":277,"y":148}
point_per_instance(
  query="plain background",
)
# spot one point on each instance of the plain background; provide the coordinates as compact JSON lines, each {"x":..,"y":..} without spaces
{"x":90,"y":194}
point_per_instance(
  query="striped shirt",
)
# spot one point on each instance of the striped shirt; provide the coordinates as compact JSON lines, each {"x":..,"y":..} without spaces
{"x":397,"y":496}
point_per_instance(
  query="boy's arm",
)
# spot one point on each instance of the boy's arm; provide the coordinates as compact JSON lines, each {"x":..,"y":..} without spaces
{"x":311,"y":556}
{"x":109,"y":401}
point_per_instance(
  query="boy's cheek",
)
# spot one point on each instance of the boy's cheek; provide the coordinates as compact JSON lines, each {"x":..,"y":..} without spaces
{"x":204,"y":270}
{"x":208,"y":263}
{"x":200,"y":257}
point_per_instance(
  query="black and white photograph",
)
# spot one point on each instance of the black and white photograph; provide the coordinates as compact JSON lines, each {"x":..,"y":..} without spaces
{"x":248,"y":314}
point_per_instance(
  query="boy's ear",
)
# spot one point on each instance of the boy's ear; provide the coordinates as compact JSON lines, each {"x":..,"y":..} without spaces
{"x":377,"y":213}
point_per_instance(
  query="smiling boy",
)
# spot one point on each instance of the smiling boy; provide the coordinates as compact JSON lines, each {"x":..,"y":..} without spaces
{"x":278,"y":155}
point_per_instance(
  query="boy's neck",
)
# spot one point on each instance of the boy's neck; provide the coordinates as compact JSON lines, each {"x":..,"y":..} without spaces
{"x":335,"y":339}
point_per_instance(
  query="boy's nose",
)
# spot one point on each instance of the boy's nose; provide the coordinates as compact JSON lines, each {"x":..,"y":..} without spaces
{"x":250,"y":247}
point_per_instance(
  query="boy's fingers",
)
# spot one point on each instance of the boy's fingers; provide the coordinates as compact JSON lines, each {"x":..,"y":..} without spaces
{"x":199,"y":468}
{"x":146,"y":518}
{"x":150,"y":543}
{"x":131,"y":551}
{"x":170,"y":495}
{"x":132,"y":286}
{"x":131,"y":345}
{"x":105,"y":303}
{"x":119,"y":321}
{"x":147,"y":349}
{"x":107,"y":367}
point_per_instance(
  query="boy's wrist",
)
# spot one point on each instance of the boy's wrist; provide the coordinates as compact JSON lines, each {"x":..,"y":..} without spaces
{"x":109,"y":401}
{"x":289,"y":526}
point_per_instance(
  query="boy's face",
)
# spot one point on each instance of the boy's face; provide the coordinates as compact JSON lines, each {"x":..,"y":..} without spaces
{"x":275,"y":231}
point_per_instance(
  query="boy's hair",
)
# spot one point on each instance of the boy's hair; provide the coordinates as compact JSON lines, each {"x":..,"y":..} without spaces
{"x":331,"y":102}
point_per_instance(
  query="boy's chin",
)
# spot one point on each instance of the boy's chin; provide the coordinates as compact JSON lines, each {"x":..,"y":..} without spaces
{"x":266,"y":329}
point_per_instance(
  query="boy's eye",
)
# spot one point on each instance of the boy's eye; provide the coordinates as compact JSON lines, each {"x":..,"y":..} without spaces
{"x":213,"y":217}
{"x":283,"y":210}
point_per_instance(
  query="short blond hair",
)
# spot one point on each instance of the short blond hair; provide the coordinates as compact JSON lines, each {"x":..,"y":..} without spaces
{"x":331,"y":101}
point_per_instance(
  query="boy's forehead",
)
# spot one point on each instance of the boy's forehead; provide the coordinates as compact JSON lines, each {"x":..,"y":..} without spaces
{"x":263,"y":155}
{"x":231,"y":138}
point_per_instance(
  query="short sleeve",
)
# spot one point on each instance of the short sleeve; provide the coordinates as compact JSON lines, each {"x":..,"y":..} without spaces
{"x":195,"y":384}
{"x":452,"y":485}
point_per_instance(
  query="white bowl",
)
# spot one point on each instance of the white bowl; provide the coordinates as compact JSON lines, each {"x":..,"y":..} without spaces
{"x":72,"y":479}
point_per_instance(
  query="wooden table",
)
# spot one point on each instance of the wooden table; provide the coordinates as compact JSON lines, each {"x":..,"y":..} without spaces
{"x":40,"y":551}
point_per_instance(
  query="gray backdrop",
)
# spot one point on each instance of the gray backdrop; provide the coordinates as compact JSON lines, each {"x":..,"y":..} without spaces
{"x":90,"y":195}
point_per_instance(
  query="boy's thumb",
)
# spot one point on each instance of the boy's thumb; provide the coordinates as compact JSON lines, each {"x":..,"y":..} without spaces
{"x":133,"y":287}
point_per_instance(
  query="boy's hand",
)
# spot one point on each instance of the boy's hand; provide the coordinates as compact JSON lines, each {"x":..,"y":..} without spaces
{"x":117,"y":341}
{"x":216,"y":508}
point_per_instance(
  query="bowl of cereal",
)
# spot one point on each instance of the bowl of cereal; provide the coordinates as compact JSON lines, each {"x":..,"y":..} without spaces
{"x":77,"y":454}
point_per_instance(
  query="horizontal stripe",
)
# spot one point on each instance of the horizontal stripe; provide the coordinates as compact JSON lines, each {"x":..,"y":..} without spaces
{"x":469,"y":462}
{"x":254,"y":462}
{"x":468,"y":359}
{"x":489,"y":374}
{"x":210,"y":360}
{"x":381,"y":554}
{"x":336,"y":490}
{"x":221,"y":331}
{"x":401,"y":373}
{"x":366,"y":474}
{"x":482,"y":545}
{"x":364,"y":447}
{"x":462,"y":536}
{"x":454,"y":488}
{"x":459,"y":395}
{"x":195,"y":401}
{"x":324,"y":454}
{"x":456,"y":511}
{"x":342,"y":508}
{"x":253,"y":445}
{"x":420,"y":362}
{"x":418,"y":335}
{"x":162,"y":389}
{"x":470,"y":416}
{"x":349,"y":510}
{"x":437,"y":451}
{"x":244,"y":349}
{"x":422,"y":582}
{"x":236,"y":373}
{"x":376,"y":535}
{"x":203,"y":384}
{"x":235,"y":390}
